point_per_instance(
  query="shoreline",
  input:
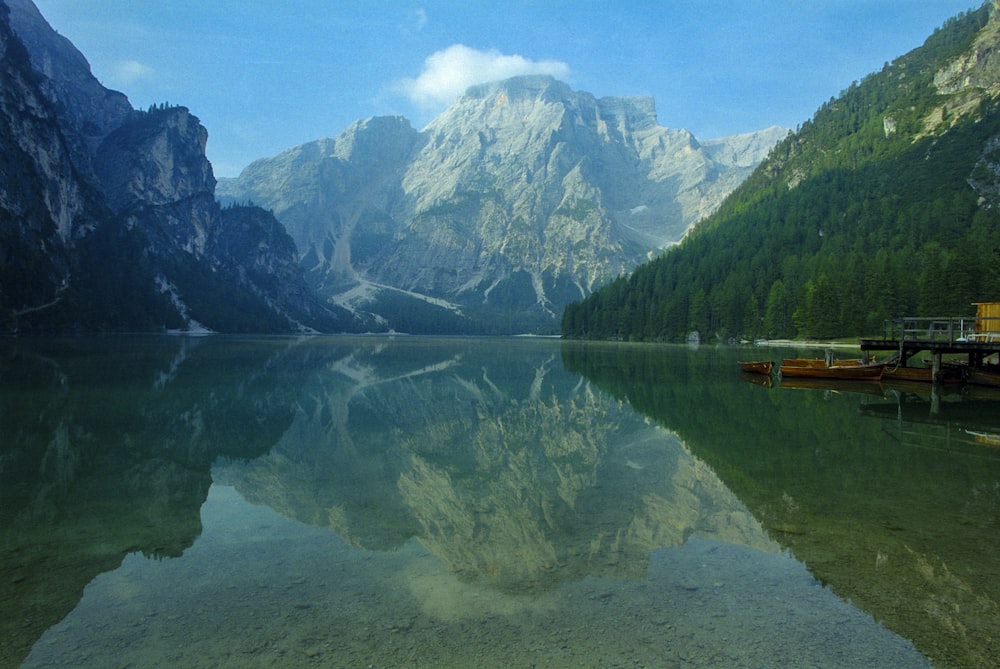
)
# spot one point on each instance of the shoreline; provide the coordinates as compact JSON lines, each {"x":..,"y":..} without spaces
{"x":795,"y":343}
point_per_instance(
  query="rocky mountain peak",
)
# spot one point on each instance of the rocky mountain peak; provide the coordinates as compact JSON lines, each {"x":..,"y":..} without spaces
{"x":381,"y":138}
{"x":502,"y":100}
{"x":633,"y":113}
{"x":81,"y":102}
{"x":520,"y":197}
{"x":527,"y":87}
{"x":155,"y":158}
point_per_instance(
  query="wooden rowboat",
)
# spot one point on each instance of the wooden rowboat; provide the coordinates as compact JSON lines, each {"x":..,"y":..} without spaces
{"x":859,"y":372}
{"x":815,"y":362}
{"x":983,"y":376}
{"x":756,"y":367}
{"x":802,"y":362}
{"x":922,"y":374}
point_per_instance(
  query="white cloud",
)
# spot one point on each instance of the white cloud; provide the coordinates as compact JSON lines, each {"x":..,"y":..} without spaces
{"x":130,"y":71}
{"x":449,"y":72}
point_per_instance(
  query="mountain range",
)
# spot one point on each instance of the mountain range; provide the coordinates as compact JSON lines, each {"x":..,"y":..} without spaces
{"x":523,"y":196}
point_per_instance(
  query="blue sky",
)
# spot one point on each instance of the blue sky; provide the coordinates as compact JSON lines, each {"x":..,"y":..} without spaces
{"x":266,"y":75}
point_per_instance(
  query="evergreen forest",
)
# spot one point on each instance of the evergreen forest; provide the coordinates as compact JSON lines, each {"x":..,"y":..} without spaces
{"x":883,"y":205}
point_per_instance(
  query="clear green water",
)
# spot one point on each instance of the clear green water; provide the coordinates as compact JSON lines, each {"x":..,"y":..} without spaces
{"x":461,"y":502}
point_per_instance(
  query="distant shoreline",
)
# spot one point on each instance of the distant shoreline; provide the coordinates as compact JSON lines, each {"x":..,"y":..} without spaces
{"x":796,"y":343}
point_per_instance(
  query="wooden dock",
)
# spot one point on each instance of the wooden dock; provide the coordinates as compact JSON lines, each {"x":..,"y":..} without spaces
{"x":976,"y":337}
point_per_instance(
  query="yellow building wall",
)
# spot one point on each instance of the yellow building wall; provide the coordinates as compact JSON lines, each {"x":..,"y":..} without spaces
{"x":987,"y":316}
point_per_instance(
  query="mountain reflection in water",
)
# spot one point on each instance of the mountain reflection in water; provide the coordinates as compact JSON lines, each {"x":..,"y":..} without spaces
{"x":466,"y":500}
{"x":509,"y":470}
{"x":888,"y":495}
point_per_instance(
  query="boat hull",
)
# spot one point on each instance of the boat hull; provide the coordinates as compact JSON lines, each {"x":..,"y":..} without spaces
{"x":802,"y":362}
{"x":983,"y":377}
{"x":921,"y":374}
{"x":846,"y":372}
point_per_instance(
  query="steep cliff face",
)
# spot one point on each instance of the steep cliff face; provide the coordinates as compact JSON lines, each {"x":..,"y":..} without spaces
{"x":521,"y":197}
{"x":326,"y":191}
{"x":108,"y":219}
{"x":153,"y":168}
{"x":250,"y":247}
{"x":43,"y":204}
{"x":154,"y":158}
{"x":83,"y":106}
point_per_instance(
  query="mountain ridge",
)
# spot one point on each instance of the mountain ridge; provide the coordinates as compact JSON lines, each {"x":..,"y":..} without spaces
{"x":108,"y":220}
{"x":520,"y":197}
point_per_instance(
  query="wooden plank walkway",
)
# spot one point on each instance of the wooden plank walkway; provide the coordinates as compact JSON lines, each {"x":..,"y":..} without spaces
{"x":938,"y":336}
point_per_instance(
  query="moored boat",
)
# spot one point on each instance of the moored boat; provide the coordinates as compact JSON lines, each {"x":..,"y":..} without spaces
{"x":756,"y":366}
{"x":802,"y":362}
{"x":948,"y":374}
{"x":988,"y":375}
{"x":843,"y":370}
{"x":816,"y":362}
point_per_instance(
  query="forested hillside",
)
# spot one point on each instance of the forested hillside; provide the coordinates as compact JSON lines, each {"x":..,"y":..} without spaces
{"x":883,"y":205}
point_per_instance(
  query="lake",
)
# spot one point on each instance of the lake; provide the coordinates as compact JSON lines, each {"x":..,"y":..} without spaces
{"x":419,"y":502}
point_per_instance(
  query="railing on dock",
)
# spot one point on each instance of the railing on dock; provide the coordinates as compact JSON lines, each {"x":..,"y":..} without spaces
{"x":944,"y":329}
